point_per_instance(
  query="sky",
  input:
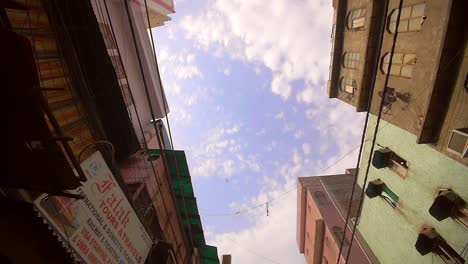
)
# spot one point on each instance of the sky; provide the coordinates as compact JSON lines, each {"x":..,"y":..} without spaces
{"x":246,"y":87}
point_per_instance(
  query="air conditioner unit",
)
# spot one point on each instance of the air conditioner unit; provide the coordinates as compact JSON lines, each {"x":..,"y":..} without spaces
{"x":458,"y":142}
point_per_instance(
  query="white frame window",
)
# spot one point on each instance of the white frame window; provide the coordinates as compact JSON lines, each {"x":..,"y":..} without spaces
{"x":347,"y":85}
{"x":402,"y":64}
{"x":411,"y":18}
{"x":351,"y":60}
{"x":356,"y":19}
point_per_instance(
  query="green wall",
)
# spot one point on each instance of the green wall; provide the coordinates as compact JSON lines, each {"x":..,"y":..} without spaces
{"x":392,"y":233}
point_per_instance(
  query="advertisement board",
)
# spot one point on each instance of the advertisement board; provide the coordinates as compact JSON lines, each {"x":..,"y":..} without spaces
{"x":102,"y":227}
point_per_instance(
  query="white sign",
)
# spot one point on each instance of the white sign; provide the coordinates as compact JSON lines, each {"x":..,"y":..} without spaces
{"x":102,"y":227}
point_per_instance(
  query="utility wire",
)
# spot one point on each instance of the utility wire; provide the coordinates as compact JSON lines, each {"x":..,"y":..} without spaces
{"x":242,"y":211}
{"x":155,"y":172}
{"x":374,"y":139}
{"x":167,"y":121}
{"x":253,"y":252}
{"x":369,"y":104}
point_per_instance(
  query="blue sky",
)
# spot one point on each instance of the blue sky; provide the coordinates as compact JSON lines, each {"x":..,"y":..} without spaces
{"x":246,"y":86}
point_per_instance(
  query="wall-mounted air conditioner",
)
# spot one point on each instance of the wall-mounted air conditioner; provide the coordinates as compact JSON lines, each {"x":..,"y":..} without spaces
{"x":458,"y":142}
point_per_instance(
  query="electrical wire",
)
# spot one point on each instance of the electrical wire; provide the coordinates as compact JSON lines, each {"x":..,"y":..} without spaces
{"x":242,"y":211}
{"x":155,"y":172}
{"x":167,"y":120}
{"x":253,"y":252}
{"x":358,"y":162}
{"x":374,"y":139}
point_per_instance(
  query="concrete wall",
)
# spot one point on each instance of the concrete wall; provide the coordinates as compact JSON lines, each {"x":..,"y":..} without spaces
{"x":123,"y":35}
{"x":438,"y":101}
{"x":138,"y":169}
{"x":392,"y":233}
{"x":426,"y":44}
{"x":364,"y":41}
{"x":354,"y":41}
{"x":320,"y":215}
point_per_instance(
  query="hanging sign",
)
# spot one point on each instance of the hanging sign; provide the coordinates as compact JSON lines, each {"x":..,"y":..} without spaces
{"x":102,"y":227}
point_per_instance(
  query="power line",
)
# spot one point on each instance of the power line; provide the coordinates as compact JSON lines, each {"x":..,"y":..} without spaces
{"x":167,"y":121}
{"x":242,"y":211}
{"x":374,"y":139}
{"x":155,"y":172}
{"x":253,"y":252}
{"x":369,"y":104}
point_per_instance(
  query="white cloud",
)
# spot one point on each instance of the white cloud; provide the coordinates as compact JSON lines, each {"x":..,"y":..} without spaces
{"x":180,"y":65}
{"x":312,"y":113}
{"x":261,"y":132}
{"x":298,"y":134}
{"x":190,"y":100}
{"x":269,"y":235}
{"x":232,"y":130}
{"x":227,"y":72}
{"x":289,"y":38}
{"x":172,"y":88}
{"x":288,"y":126}
{"x":306,"y":148}
{"x":219,"y":154}
{"x":279,"y":116}
{"x":228,"y":167}
{"x":272,"y":145}
{"x":205,"y":167}
{"x":187,"y":72}
{"x":180,"y":115}
{"x":306,"y":95}
{"x":323,"y":148}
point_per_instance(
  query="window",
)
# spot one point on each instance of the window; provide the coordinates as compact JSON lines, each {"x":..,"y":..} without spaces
{"x":338,"y":234}
{"x":458,"y":142}
{"x":356,"y":19}
{"x":385,"y":158}
{"x":347,"y":85}
{"x":351,"y":60}
{"x":411,"y":18}
{"x":402,"y":64}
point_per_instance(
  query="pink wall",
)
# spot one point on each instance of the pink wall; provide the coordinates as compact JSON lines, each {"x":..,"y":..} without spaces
{"x":318,"y":200}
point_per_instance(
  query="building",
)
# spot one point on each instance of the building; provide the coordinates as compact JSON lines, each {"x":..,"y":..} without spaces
{"x":124,"y":28}
{"x":227,"y":259}
{"x":81,"y":184}
{"x":427,"y":86}
{"x":321,"y":212}
{"x":414,"y":209}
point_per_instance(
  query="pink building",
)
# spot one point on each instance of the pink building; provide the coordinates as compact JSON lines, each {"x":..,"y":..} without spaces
{"x":322,"y":203}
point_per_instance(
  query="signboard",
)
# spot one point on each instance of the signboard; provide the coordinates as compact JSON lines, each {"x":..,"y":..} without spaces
{"x":101,"y":228}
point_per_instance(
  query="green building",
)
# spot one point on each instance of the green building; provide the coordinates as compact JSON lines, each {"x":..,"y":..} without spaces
{"x":417,"y":185}
{"x":187,"y":203}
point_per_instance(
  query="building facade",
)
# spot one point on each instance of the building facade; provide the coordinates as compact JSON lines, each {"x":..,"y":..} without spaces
{"x":83,"y":116}
{"x":321,"y":212}
{"x":413,"y":193}
{"x":427,"y":93}
{"x":124,"y":28}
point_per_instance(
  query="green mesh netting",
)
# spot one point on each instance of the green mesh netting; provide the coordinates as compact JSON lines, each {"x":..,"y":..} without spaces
{"x":187,"y":203}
